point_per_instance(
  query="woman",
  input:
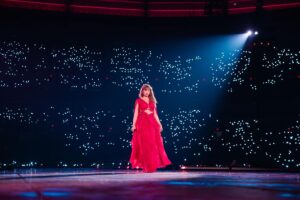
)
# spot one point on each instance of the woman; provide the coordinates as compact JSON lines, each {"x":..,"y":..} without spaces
{"x":148,"y":150}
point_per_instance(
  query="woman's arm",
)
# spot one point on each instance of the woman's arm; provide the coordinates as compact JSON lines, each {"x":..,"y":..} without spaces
{"x":156,"y":117}
{"x":135,"y":115}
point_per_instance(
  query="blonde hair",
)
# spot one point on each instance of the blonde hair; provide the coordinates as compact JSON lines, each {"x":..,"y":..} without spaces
{"x":151,"y":95}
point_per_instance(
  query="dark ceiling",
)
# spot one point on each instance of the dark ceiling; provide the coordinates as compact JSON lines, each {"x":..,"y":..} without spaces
{"x":154,"y":8}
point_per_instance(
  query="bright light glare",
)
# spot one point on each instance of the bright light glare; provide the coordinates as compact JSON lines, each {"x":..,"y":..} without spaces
{"x":249,"y":33}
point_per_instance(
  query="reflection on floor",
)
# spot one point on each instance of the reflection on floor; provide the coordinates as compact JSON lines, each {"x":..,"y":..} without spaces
{"x":133,"y":184}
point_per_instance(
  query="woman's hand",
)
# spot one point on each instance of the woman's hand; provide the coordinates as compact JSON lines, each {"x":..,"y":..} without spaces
{"x":161,"y":128}
{"x":133,"y":128}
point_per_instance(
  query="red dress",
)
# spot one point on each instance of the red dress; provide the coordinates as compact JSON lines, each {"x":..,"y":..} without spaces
{"x":147,"y":145}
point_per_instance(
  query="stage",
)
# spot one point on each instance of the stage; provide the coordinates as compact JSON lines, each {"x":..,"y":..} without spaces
{"x":133,"y":184}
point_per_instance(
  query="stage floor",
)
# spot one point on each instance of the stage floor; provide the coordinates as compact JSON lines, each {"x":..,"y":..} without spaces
{"x":133,"y":184}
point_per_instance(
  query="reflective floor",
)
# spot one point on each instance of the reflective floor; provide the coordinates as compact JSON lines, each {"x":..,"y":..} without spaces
{"x":133,"y":184}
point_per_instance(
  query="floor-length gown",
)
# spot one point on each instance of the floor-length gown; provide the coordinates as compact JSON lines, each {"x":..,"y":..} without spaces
{"x":148,"y":150}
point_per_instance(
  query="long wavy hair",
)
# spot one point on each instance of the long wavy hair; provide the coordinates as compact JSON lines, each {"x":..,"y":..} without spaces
{"x":151,"y":95}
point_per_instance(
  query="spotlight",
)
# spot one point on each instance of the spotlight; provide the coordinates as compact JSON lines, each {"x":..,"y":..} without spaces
{"x":249,"y":33}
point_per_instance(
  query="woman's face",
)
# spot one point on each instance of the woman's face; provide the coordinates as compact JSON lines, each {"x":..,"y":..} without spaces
{"x":146,"y":92}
